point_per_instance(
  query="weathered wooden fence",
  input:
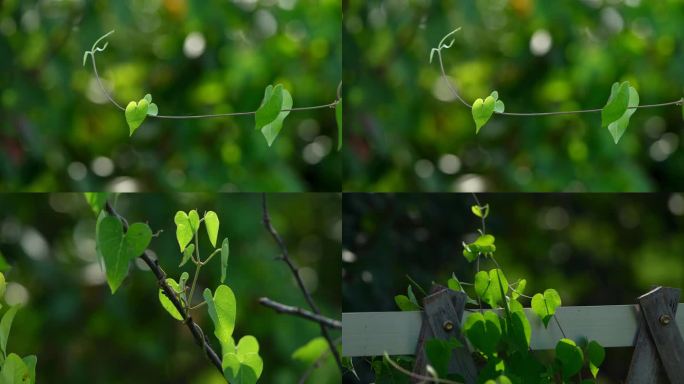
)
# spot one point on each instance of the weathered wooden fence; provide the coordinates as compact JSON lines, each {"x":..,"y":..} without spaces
{"x":655,"y":326}
{"x":373,"y":333}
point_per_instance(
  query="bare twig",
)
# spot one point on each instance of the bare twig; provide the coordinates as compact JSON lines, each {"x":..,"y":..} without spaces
{"x":295,"y":272}
{"x":296,"y":311}
{"x":195,"y":329}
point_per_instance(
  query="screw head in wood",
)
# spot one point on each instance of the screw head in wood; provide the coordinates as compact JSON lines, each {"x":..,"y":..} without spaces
{"x":448,"y":326}
{"x":665,"y":319}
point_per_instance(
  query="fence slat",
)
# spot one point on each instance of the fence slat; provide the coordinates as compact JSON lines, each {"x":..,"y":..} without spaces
{"x":373,"y":333}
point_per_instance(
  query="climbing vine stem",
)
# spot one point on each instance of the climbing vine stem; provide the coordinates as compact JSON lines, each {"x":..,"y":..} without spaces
{"x":621,"y":105}
{"x":272,"y":124}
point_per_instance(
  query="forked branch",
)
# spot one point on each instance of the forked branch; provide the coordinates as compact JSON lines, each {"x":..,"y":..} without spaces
{"x":285,"y":257}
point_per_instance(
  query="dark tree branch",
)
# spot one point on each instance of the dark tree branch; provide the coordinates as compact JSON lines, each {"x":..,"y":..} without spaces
{"x":295,"y":272}
{"x":296,"y":311}
{"x":195,"y":329}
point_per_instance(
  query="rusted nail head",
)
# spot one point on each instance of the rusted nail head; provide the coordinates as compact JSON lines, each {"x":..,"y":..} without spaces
{"x":665,"y":319}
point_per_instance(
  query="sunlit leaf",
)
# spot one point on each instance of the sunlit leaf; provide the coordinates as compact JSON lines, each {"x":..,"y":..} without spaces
{"x":118,"y":249}
{"x":544,"y":305}
{"x":211,"y":222}
{"x":166,"y":302}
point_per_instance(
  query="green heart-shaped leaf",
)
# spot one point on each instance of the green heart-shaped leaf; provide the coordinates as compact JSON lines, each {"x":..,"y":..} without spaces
{"x":311,"y":351}
{"x":269,"y":122}
{"x":187,"y":254}
{"x":519,"y":329}
{"x":570,"y":357}
{"x":6,"y":326}
{"x":483,"y":109}
{"x":483,"y":331}
{"x":616,"y":105}
{"x":405,"y":304}
{"x":481,"y":212}
{"x":595,"y":354}
{"x":136,"y":113}
{"x":31,"y":361}
{"x":225,"y":254}
{"x":187,"y":225}
{"x":545,"y":305}
{"x":519,"y":289}
{"x":15,"y":371}
{"x":454,"y":284}
{"x":96,"y":201}
{"x":618,"y":127}
{"x":222,"y":309}
{"x":244,"y":366}
{"x":166,"y":302}
{"x":270,"y":106}
{"x":338,"y":118}
{"x":487,"y":286}
{"x":118,"y":249}
{"x":211,"y":221}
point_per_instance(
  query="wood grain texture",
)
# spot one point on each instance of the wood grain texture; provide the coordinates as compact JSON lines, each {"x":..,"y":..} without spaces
{"x":666,"y":336}
{"x":442,"y":306}
{"x":646,"y":367}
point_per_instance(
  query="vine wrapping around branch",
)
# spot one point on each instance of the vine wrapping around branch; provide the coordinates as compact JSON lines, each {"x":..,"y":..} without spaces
{"x":303,"y":313}
{"x":457,"y":95}
{"x":195,"y":329}
{"x":285,"y":256}
{"x":96,"y":49}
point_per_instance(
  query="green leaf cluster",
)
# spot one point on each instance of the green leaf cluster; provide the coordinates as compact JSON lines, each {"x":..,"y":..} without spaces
{"x":241,"y":362}
{"x":501,"y":336}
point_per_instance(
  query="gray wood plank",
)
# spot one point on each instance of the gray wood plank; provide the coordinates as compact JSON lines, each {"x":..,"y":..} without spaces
{"x":373,"y":333}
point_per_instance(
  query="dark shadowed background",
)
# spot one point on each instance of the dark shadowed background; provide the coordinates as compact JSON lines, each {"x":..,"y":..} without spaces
{"x":595,"y":249}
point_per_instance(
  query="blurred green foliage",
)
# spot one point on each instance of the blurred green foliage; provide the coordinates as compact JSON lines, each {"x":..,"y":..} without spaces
{"x":594,"y":249}
{"x":58,"y":132}
{"x":404,"y":131}
{"x":82,"y":333}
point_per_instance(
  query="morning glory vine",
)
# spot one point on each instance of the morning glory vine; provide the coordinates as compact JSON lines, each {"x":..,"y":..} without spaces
{"x":621,"y":105}
{"x":276,"y":105}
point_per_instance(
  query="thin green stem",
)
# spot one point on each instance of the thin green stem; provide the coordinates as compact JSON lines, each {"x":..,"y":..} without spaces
{"x":198,"y":305}
{"x":416,"y":285}
{"x":210,"y":256}
{"x":197,"y":271}
{"x":95,"y":49}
